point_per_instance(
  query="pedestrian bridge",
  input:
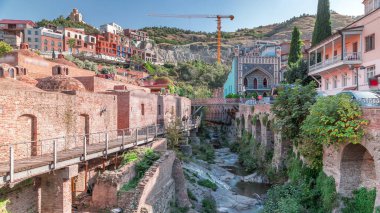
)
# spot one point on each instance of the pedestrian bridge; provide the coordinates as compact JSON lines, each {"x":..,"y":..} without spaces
{"x":29,"y":159}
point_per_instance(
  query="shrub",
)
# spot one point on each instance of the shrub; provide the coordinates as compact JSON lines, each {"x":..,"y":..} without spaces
{"x":335,"y":120}
{"x":129,"y":157}
{"x":363,"y":201}
{"x":209,"y":205}
{"x":326,"y":187}
{"x":208,"y":184}
{"x":141,"y":167}
{"x":5,"y":48}
{"x":204,"y":152}
{"x":191,"y":195}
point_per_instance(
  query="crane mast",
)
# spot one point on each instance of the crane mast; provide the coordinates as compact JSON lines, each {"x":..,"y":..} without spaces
{"x":219,"y":26}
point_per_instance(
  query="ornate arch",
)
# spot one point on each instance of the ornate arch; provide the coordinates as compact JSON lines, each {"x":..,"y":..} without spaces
{"x":259,"y":69}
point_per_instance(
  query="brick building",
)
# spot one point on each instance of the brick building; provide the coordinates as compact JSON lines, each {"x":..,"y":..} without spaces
{"x":107,"y":44}
{"x":136,"y":35}
{"x":12,"y":31}
{"x":83,"y":42}
{"x":44,"y":39}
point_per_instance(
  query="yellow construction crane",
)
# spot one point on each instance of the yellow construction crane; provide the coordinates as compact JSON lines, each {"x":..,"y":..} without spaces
{"x":219,"y":25}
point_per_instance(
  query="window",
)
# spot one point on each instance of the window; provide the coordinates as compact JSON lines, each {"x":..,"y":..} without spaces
{"x":29,"y":32}
{"x":75,"y":36}
{"x":29,"y":39}
{"x":59,"y":44}
{"x":370,"y":43}
{"x":327,"y":82}
{"x":45,"y":48}
{"x":36,"y":32}
{"x":255,"y":83}
{"x":142,"y":109}
{"x":159,"y":109}
{"x":35,"y":39}
{"x":371,"y":71}
{"x":245,"y":82}
{"x":335,"y":52}
{"x":68,"y":34}
{"x":327,"y":57}
{"x":35,"y":46}
{"x":355,"y":79}
{"x":52,"y":43}
{"x":265,"y":83}
{"x":344,"y":80}
{"x":335,"y":81}
{"x":45,"y":42}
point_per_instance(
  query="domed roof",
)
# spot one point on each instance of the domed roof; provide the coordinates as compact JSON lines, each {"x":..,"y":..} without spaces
{"x":60,"y":83}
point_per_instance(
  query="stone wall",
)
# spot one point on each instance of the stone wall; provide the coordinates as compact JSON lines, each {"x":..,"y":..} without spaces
{"x":155,"y":190}
{"x":263,"y":130}
{"x":45,"y":115}
{"x":356,"y":165}
{"x":23,"y":197}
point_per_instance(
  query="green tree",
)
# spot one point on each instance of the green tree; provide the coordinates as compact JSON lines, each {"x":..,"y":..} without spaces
{"x":71,"y":43}
{"x":291,"y":108}
{"x":296,"y":44}
{"x":322,"y":28}
{"x":298,"y":71}
{"x":5,"y":48}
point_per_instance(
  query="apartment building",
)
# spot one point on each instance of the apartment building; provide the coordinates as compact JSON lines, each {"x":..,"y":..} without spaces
{"x":44,"y":39}
{"x":349,"y":58}
{"x":83,"y":42}
{"x":12,"y":31}
{"x":136,"y":35}
{"x":111,"y":28}
{"x":107,"y":44}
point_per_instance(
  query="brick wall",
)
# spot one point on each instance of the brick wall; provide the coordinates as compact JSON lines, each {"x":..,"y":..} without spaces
{"x":51,"y":115}
{"x":96,"y":84}
{"x":355,"y":165}
{"x":23,"y":197}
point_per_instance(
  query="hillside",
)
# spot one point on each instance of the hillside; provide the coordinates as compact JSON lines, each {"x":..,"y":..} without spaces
{"x":280,"y":31}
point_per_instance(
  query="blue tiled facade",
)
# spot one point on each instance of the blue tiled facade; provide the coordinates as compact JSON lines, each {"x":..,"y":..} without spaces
{"x":230,"y":85}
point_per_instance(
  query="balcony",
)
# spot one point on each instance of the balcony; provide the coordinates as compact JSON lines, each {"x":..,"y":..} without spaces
{"x":341,"y":49}
{"x":257,"y":88}
{"x":338,"y":60}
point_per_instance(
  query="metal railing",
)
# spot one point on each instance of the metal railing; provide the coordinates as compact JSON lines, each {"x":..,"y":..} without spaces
{"x":54,"y":150}
{"x":347,"y":57}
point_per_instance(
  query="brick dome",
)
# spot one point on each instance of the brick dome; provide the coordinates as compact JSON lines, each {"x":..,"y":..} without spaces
{"x":60,"y":83}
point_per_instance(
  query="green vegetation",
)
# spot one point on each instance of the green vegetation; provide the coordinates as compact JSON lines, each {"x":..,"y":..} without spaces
{"x":306,"y":191}
{"x":363,"y":201}
{"x":298,"y":72}
{"x":193,"y":79}
{"x":140,"y":168}
{"x":129,"y":157}
{"x":291,"y":108}
{"x":209,"y":205}
{"x":5,"y":48}
{"x":322,"y":27}
{"x":88,"y":65}
{"x":61,"y":21}
{"x":204,"y":151}
{"x":3,"y":205}
{"x":191,"y":195}
{"x":175,"y":208}
{"x":208,"y":184}
{"x":174,"y":134}
{"x":296,"y":44}
{"x":332,"y":120}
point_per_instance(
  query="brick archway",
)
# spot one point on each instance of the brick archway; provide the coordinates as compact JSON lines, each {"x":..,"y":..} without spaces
{"x":357,"y":169}
{"x":27,"y":134}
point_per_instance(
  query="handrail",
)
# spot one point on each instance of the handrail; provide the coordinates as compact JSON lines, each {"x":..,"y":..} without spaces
{"x":55,"y":146}
{"x":347,"y":57}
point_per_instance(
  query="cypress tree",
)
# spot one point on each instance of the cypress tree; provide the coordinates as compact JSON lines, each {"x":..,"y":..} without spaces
{"x":295,"y":53}
{"x":322,"y":28}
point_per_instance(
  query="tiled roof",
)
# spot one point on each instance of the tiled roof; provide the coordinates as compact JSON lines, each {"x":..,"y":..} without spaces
{"x":11,"y":21}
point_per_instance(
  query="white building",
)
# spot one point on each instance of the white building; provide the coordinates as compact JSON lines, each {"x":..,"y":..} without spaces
{"x":43,"y":39}
{"x":111,"y":28}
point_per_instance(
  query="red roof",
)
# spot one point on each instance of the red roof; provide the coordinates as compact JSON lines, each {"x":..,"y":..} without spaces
{"x":11,"y":21}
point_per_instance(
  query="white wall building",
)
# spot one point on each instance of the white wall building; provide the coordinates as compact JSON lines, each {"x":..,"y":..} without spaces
{"x":111,"y":28}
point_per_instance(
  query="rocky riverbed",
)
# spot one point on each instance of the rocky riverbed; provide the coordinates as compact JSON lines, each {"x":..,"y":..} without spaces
{"x":236,"y":192}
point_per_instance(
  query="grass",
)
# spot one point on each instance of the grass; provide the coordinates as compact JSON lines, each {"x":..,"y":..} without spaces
{"x":208,"y":205}
{"x":208,"y":184}
{"x":141,"y":167}
{"x":191,"y":195}
{"x":129,"y":157}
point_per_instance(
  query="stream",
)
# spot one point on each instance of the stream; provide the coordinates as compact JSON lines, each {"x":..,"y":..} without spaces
{"x":238,"y":191}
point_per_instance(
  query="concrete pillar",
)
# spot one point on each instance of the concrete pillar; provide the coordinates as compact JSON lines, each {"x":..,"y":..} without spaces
{"x":56,"y":195}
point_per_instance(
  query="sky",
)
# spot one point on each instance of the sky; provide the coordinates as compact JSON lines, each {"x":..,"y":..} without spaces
{"x":135,"y":13}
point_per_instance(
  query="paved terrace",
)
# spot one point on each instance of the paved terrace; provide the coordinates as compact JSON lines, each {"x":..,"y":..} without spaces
{"x":53,"y":154}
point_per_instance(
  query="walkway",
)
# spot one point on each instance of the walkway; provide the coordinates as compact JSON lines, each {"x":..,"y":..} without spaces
{"x":59,"y":156}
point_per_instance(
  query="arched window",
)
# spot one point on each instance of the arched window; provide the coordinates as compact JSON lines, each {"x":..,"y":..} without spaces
{"x":59,"y":71}
{"x":245,"y":82}
{"x":45,"y":41}
{"x":255,"y":83}
{"x":265,"y":83}
{"x":11,"y":72}
{"x":1,"y":72}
